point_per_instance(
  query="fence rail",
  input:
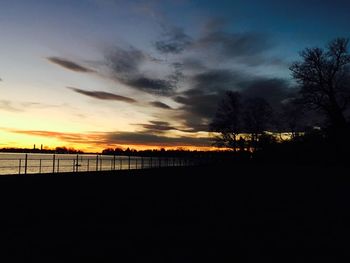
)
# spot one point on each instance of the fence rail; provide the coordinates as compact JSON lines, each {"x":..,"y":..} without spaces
{"x":57,"y":163}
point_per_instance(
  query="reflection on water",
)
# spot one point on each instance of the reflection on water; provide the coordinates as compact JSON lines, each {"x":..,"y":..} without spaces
{"x":21,"y":163}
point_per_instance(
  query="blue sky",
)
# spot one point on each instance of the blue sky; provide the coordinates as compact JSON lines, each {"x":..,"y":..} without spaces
{"x":105,"y":73}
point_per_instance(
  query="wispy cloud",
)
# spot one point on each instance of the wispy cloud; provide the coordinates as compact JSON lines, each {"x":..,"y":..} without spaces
{"x":70,"y":65}
{"x":83,"y":138}
{"x":101,"y":95}
{"x":18,"y":106}
{"x":9,"y":106}
{"x":192,"y":69}
{"x":161,"y":105}
{"x":127,"y":66}
{"x":217,"y":43}
{"x":157,"y":126}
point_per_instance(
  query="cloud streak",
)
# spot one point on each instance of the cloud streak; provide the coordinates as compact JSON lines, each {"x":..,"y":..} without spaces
{"x":16,"y":106}
{"x":147,"y":139}
{"x":101,"y":95}
{"x":133,"y":68}
{"x":161,"y":105}
{"x":87,"y":138}
{"x":157,"y":126}
{"x":9,"y":106}
{"x":70,"y":65}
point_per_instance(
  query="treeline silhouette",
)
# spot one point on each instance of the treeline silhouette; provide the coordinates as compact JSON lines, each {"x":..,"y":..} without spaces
{"x":310,"y":125}
{"x":206,"y":157}
{"x":58,"y":150}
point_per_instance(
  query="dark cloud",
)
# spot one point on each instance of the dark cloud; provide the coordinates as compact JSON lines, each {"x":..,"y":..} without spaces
{"x":155,"y":86}
{"x":126,"y":67}
{"x":215,"y":42}
{"x":101,"y":95}
{"x":157,"y":126}
{"x":216,"y":80}
{"x":125,"y":61}
{"x":67,"y":64}
{"x":141,"y":138}
{"x":272,"y":90}
{"x":196,"y":110}
{"x":198,"y":104}
{"x":174,"y":40}
{"x":161,"y":105}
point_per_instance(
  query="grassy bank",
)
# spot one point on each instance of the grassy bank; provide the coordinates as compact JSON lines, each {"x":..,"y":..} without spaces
{"x":226,"y":214}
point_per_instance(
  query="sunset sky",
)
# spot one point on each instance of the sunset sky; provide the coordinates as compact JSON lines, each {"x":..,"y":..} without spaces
{"x":93,"y":74}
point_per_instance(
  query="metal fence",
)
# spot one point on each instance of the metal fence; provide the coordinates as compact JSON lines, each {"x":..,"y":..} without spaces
{"x":62,"y":163}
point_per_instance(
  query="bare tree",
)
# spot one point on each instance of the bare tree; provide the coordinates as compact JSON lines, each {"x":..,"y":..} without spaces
{"x":257,"y":118}
{"x":227,"y":120}
{"x":292,"y":117}
{"x":323,"y":75}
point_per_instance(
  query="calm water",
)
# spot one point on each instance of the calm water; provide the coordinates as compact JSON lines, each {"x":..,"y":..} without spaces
{"x":14,"y":163}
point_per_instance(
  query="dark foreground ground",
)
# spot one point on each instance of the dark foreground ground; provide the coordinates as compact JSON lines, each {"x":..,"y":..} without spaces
{"x":245,"y":214}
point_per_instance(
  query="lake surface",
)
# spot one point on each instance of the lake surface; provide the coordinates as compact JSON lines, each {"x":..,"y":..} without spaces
{"x":18,"y":163}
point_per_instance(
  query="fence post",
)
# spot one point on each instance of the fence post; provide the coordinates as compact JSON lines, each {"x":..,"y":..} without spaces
{"x":88,"y":165}
{"x":53,"y":163}
{"x":19,"y":166}
{"x":77,"y":164}
{"x":114,"y":162}
{"x":159,"y":162}
{"x":136,"y":162}
{"x":73,"y":165}
{"x":141,"y":162}
{"x":121,"y":163}
{"x":25,"y":164}
{"x":129,"y":162}
{"x":100,"y":163}
{"x":58,"y":165}
{"x":150,"y":161}
{"x":40,"y":166}
{"x":96,"y":162}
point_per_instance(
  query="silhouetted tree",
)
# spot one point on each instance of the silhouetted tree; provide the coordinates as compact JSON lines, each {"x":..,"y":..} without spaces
{"x":227,"y":120}
{"x":234,"y":119}
{"x":291,"y":117}
{"x":323,"y":75}
{"x":257,"y":118}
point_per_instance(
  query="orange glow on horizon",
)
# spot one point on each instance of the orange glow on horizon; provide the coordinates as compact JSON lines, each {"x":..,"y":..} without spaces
{"x":98,"y":149}
{"x":92,"y":142}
